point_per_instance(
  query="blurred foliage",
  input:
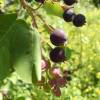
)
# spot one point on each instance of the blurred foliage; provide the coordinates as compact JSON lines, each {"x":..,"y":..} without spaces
{"x":85,"y":41}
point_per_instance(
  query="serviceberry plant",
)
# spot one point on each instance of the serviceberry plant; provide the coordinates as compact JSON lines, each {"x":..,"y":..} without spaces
{"x":23,"y":50}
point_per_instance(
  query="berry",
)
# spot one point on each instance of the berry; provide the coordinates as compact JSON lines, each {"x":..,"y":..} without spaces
{"x":41,"y":1}
{"x":55,"y":72}
{"x":70,"y":2}
{"x":45,"y":65}
{"x":57,"y":54}
{"x":56,"y":91}
{"x":68,"y":15}
{"x":58,"y":37}
{"x":79,"y":20}
{"x":53,"y":82}
{"x":61,"y":82}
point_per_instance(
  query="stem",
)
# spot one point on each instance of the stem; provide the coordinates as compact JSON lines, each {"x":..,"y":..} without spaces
{"x":48,"y":26}
{"x":65,"y":7}
{"x":30,"y":10}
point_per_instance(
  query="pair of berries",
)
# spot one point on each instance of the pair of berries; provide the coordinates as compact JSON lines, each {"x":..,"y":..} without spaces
{"x":77,"y":19}
{"x":58,"y":38}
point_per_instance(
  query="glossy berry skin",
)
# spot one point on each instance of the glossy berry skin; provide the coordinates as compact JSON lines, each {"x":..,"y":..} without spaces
{"x":40,"y":1}
{"x":69,"y":2}
{"x":79,"y":20}
{"x":68,"y":15}
{"x":57,"y":55}
{"x":58,"y":37}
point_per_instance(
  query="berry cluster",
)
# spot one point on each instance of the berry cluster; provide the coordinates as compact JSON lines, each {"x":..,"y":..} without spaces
{"x":69,"y":16}
{"x":54,"y":77}
{"x":57,"y":79}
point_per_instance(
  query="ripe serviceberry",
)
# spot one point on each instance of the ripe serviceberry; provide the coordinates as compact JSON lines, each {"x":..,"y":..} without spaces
{"x":58,"y":37}
{"x":79,"y":20}
{"x":57,"y":54}
{"x":68,"y":15}
{"x":70,"y":2}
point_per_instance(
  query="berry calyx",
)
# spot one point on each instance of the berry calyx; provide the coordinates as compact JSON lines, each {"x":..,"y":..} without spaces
{"x":68,"y":15}
{"x":57,"y":55}
{"x":79,"y":20}
{"x":70,"y":2}
{"x":58,"y":37}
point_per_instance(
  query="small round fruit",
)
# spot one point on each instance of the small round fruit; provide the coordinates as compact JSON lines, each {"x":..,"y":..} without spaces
{"x":58,"y":37}
{"x":62,"y":82}
{"x":52,"y":82}
{"x":79,"y":20}
{"x":56,"y":91}
{"x":45,"y":64}
{"x":68,"y":15}
{"x":57,"y":55}
{"x":70,"y":2}
{"x":55,"y":72}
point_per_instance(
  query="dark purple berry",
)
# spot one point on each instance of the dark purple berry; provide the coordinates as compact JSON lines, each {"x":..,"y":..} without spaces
{"x":40,"y":1}
{"x":57,"y":54}
{"x":70,"y":2}
{"x":68,"y":15}
{"x":58,"y":37}
{"x":79,"y":20}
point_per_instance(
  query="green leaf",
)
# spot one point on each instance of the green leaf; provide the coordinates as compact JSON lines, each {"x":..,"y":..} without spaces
{"x":5,"y":68}
{"x":6,"y":22}
{"x":53,"y":9}
{"x":23,"y":49}
{"x":36,"y":56}
{"x":20,"y":49}
{"x":68,"y":53}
